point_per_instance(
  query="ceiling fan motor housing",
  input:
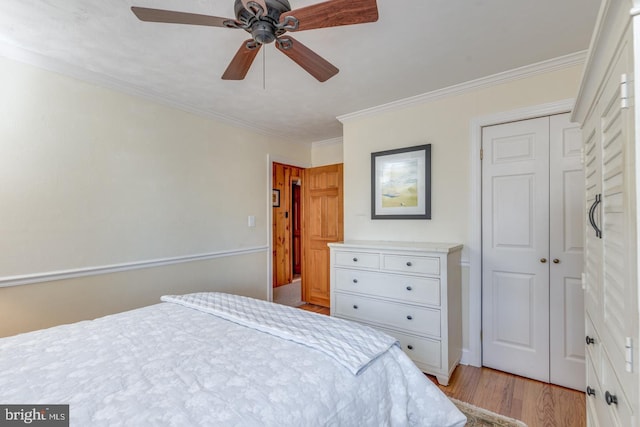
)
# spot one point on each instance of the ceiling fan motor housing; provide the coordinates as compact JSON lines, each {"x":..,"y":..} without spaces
{"x":264,"y":28}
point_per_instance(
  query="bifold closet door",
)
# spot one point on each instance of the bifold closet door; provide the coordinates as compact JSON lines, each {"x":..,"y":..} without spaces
{"x":515,"y":246}
{"x":532,"y":202}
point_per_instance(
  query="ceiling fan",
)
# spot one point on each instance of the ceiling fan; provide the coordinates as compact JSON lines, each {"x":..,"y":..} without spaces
{"x":268,"y":21}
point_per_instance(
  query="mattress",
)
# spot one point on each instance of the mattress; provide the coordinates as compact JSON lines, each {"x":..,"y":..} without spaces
{"x":212,"y":359}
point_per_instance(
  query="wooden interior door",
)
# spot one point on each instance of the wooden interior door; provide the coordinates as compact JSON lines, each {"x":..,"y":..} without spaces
{"x":323,"y":222}
{"x":283,"y":214}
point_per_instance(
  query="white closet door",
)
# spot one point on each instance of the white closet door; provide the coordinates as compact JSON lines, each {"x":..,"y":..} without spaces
{"x":566,"y":297}
{"x":515,"y":247}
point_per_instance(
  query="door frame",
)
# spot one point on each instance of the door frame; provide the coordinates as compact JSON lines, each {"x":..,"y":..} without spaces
{"x":271,"y":159}
{"x":473,"y":354}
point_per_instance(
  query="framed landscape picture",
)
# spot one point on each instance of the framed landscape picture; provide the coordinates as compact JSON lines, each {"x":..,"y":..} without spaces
{"x":401,"y":183}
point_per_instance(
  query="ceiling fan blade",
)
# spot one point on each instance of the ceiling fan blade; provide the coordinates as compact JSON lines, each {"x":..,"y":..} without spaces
{"x":334,"y":13}
{"x":313,"y":63}
{"x":172,"y":17}
{"x":242,"y":61}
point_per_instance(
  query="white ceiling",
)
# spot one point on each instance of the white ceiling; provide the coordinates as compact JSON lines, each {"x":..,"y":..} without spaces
{"x":415,"y":47}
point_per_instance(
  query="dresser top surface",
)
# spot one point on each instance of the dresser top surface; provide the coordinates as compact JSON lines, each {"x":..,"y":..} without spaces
{"x":403,"y":246}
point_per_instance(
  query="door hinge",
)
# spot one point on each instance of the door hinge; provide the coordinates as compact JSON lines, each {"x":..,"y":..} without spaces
{"x":481,"y":153}
{"x":628,"y":354}
{"x":624,"y":91}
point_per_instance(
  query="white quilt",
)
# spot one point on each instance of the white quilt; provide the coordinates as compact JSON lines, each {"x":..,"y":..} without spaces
{"x":171,"y":365}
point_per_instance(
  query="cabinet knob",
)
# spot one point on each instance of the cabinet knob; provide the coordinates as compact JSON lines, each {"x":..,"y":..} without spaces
{"x":410,"y":347}
{"x":556,"y":261}
{"x":355,"y":259}
{"x":611,"y":399}
{"x":355,"y":306}
{"x":409,"y":288}
{"x":543,"y":260}
{"x":409,"y":264}
{"x":591,"y":391}
{"x":355,"y":280}
{"x":590,"y":340}
{"x":409,"y":317}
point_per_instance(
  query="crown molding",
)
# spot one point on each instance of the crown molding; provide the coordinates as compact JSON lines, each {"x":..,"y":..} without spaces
{"x":38,"y":60}
{"x":527,"y":71}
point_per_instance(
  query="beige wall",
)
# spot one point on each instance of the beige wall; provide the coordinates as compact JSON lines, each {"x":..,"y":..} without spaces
{"x":326,"y":152}
{"x":92,"y":177}
{"x":444,"y":123}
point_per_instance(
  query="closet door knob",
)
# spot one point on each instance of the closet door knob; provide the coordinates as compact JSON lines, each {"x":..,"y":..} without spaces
{"x":611,"y":399}
{"x":409,"y":288}
{"x":409,"y":317}
{"x":590,"y":340}
{"x":355,"y":307}
{"x":543,"y":260}
{"x":410,"y":347}
{"x":409,"y":264}
{"x":355,"y":259}
{"x":355,"y":280}
{"x":556,"y":261}
{"x":591,"y":391}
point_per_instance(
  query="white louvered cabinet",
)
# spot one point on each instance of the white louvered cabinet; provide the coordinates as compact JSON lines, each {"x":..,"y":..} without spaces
{"x":411,"y":291}
{"x":606,"y":109}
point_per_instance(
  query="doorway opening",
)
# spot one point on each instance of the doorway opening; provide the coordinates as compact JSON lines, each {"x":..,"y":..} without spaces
{"x":287,"y":234}
{"x":307,"y":215}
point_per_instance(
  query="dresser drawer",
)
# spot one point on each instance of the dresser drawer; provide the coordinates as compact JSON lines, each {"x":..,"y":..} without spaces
{"x":419,"y":290}
{"x":409,"y":318}
{"x":411,"y":264}
{"x":421,"y":350}
{"x":357,"y":259}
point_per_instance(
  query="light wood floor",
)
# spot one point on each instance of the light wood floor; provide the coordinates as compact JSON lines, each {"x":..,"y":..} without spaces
{"x":537,"y":404}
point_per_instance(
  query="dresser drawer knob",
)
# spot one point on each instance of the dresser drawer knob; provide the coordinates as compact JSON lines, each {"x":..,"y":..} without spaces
{"x":409,"y":264}
{"x":355,"y":259}
{"x":410,"y":347}
{"x":591,"y":391}
{"x":355,"y":280}
{"x":409,"y":317}
{"x":611,"y":399}
{"x":355,"y":306}
{"x":590,"y":340}
{"x":409,"y":288}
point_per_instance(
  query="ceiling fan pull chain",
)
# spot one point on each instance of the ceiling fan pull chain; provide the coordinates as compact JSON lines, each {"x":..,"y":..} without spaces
{"x":264,"y":70}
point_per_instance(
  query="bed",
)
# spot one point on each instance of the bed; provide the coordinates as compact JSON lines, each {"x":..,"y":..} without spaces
{"x":214,"y":359}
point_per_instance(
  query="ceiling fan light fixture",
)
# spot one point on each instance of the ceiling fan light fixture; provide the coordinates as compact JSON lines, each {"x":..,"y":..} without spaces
{"x":263,"y":32}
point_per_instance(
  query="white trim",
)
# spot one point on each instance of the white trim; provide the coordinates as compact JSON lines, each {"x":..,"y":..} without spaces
{"x":114,"y":268}
{"x":19,"y":54}
{"x":555,"y":64}
{"x":473,"y":355}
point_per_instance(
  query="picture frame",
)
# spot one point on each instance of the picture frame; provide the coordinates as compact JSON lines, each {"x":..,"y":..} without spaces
{"x":401,"y":183}
{"x":275,"y":198}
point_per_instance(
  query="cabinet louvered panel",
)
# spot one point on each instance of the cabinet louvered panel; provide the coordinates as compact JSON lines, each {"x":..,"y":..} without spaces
{"x":593,"y":247}
{"x":615,"y":247}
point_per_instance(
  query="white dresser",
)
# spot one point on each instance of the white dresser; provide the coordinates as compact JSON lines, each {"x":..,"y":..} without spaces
{"x":409,"y":290}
